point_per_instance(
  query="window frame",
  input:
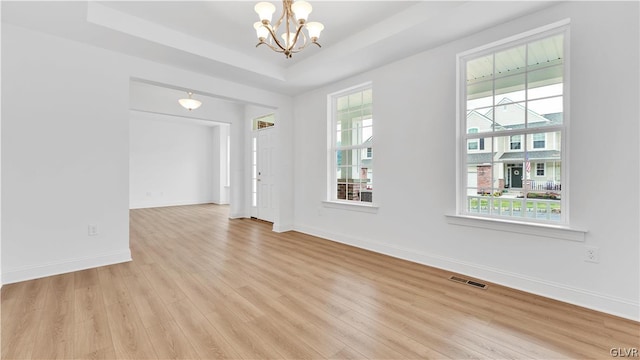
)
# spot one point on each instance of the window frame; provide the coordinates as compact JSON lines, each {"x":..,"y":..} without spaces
{"x":534,"y":141}
{"x":512,"y":142}
{"x":462,"y":137}
{"x":368,"y":147}
{"x":543,"y":169}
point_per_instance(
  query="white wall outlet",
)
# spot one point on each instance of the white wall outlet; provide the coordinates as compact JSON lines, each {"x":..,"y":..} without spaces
{"x":93,"y":230}
{"x":592,"y":254}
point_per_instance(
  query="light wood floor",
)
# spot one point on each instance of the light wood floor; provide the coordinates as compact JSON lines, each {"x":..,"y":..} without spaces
{"x":203,"y":286}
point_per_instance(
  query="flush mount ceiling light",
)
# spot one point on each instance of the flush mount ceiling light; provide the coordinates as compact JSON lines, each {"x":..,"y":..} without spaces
{"x":189,"y":103}
{"x":293,"y":38}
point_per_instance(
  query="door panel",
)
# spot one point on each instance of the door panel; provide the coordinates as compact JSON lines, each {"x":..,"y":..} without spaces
{"x":265,"y":176}
{"x":516,"y":177}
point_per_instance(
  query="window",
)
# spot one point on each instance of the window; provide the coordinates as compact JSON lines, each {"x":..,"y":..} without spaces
{"x":539,"y":140}
{"x":515,"y":142}
{"x":351,"y":164}
{"x":473,"y":144}
{"x":254,"y":171}
{"x":264,"y":122}
{"x":512,"y":95}
{"x":228,"y":160}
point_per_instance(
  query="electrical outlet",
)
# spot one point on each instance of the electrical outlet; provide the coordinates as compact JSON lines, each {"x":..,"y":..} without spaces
{"x":592,"y":254}
{"x":93,"y":230}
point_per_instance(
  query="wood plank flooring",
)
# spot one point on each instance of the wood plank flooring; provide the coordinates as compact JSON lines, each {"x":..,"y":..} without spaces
{"x":201,"y":286}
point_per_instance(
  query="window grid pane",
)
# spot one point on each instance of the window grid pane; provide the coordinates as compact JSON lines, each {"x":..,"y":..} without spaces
{"x":515,"y":90}
{"x":353,"y":146}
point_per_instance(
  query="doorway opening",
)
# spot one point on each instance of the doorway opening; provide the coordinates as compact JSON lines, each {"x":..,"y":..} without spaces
{"x":262,"y":172}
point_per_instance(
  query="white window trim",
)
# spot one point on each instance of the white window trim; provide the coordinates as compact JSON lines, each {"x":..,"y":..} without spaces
{"x":527,"y":228}
{"x":506,"y":224}
{"x":332,"y":188}
{"x":351,"y":206}
{"x":544,"y":168}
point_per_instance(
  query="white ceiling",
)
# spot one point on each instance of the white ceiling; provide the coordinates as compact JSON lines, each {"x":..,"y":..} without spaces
{"x":217,"y":37}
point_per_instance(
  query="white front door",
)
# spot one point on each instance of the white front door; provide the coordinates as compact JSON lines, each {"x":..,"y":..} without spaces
{"x":263,"y":179}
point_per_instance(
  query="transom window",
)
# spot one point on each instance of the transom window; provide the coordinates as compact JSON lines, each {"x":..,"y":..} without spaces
{"x":351,"y":164}
{"x":513,"y":95}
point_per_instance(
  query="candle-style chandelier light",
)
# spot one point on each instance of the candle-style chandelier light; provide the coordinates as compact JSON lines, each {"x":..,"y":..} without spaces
{"x":289,"y":25}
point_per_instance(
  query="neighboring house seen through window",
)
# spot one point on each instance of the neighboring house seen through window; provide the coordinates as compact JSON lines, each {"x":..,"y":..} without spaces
{"x":351,"y":164}
{"x":513,"y":95}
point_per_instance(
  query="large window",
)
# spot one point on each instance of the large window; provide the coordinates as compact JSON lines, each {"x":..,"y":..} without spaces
{"x":351,"y":147}
{"x":513,"y":95}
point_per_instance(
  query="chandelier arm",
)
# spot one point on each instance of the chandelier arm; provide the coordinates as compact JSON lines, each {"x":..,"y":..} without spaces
{"x":288,"y":21}
{"x":297,"y":35}
{"x":278,"y":50}
{"x":305,"y":41}
{"x":279,"y":22}
{"x":272,"y":32}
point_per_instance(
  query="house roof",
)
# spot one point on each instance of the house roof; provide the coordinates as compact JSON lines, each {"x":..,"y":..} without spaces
{"x":479,"y":158}
{"x":511,"y":119}
{"x":533,"y":155}
{"x":487,"y":157}
{"x":514,"y":118}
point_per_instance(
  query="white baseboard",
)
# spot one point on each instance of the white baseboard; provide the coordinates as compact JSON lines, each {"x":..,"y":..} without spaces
{"x":282,"y":228}
{"x":625,"y":308}
{"x":61,"y":267}
{"x":166,"y":204}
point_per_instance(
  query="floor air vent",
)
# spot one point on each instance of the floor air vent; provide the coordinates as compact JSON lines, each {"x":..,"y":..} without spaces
{"x":468,"y":282}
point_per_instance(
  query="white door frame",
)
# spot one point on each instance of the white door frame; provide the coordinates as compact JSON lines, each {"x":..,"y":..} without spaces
{"x":262,"y":174}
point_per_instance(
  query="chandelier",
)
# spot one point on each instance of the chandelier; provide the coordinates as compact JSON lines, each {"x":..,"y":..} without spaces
{"x":190,"y":103}
{"x":293,"y":38}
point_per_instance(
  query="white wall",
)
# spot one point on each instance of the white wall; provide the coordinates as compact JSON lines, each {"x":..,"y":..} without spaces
{"x":156,"y":102}
{"x":415,"y":131}
{"x":65,"y":149}
{"x":64,"y":156}
{"x":1,"y":282}
{"x":220,"y":186}
{"x":171,"y":161}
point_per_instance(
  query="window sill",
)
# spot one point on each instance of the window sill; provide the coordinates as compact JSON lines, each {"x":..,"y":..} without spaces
{"x":553,"y":231}
{"x":371,"y":208}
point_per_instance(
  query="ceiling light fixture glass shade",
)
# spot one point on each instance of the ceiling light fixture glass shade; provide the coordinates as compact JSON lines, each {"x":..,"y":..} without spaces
{"x":293,"y":19}
{"x":189,"y":103}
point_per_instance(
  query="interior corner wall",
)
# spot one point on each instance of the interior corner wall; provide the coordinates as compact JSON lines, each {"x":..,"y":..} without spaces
{"x":415,"y":166}
{"x":171,"y":161}
{"x":224,"y":162}
{"x":64,"y":156}
{"x":220,"y":187}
